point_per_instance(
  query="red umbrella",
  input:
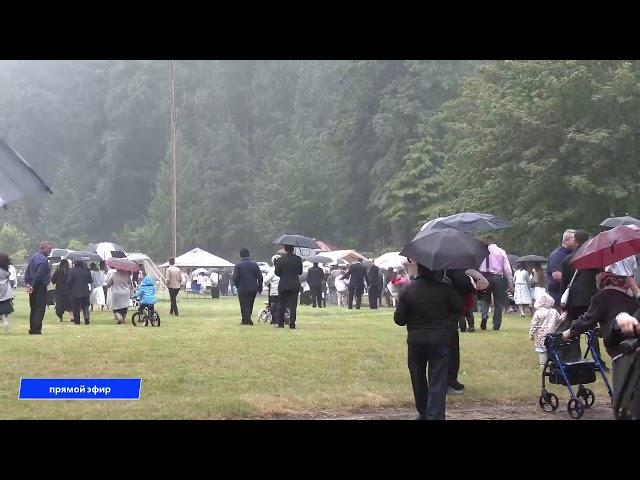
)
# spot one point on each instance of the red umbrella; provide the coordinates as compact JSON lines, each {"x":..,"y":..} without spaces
{"x":123,"y":264}
{"x":607,"y":248}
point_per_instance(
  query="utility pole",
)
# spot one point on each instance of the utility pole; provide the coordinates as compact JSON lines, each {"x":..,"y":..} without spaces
{"x":174,"y":199}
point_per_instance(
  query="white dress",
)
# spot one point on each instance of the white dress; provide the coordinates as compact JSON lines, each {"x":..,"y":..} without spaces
{"x":521,"y":294}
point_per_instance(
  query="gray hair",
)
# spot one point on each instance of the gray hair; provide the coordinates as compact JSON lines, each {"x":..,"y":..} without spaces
{"x":568,"y":235}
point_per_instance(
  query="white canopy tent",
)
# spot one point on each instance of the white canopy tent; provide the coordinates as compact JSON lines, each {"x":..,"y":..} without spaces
{"x":199,"y":258}
{"x":390,"y":260}
{"x":348,"y":256}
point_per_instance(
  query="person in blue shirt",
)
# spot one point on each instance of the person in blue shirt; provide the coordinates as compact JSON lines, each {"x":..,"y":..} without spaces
{"x":554,"y":267}
{"x":37,"y":277}
{"x":147,"y":294}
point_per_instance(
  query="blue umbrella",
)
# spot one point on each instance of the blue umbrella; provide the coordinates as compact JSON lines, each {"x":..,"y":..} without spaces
{"x":17,"y":178}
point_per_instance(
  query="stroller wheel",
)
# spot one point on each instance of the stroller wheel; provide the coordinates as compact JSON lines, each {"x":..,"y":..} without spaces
{"x":588,"y":398}
{"x":550,"y":403}
{"x":264,"y":315}
{"x":575,"y":407}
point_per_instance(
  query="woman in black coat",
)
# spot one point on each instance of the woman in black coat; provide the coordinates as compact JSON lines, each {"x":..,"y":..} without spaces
{"x":78,"y":282}
{"x":612,"y":299}
{"x":63,"y":300}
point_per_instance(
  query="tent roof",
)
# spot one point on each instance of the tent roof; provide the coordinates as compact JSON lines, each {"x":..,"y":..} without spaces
{"x":199,"y":258}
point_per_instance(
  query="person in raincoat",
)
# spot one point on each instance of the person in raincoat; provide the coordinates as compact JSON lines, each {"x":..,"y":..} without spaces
{"x":147,"y":294}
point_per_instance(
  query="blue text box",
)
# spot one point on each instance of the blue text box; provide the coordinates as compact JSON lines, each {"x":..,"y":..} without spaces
{"x":80,"y":389}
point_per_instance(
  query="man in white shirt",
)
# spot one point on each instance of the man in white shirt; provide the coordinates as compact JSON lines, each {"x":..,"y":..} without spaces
{"x":214,"y":278}
{"x":13,"y":277}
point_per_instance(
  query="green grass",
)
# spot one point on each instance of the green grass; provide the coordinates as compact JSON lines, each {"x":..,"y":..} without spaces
{"x":204,"y":364}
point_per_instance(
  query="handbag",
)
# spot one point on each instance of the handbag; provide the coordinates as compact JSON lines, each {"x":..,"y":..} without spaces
{"x":565,"y":296}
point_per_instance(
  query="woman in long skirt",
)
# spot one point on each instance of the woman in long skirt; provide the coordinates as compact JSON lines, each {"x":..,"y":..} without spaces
{"x":97,"y":292}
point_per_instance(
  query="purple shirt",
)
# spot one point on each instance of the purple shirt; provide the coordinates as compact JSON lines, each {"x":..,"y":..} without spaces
{"x":498,"y":262}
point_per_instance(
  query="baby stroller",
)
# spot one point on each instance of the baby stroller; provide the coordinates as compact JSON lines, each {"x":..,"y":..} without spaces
{"x":565,"y":366}
{"x":626,"y":400}
{"x":270,"y":311}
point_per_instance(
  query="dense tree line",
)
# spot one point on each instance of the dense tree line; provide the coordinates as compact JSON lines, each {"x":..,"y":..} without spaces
{"x":357,"y":153}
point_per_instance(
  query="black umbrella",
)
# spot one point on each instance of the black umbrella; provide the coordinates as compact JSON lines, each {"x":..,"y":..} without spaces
{"x":296,"y":241}
{"x":531,"y":259}
{"x":617,"y":221}
{"x":468,"y":222}
{"x":17,"y":178}
{"x":446,"y":248}
{"x":84,"y":256}
{"x":318,"y":259}
{"x":513,"y":259}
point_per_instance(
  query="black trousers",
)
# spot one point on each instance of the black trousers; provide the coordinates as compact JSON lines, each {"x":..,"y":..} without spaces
{"x":78,"y":304}
{"x":316,"y":297}
{"x":454,"y":354}
{"x":374,"y":296}
{"x":38,"y":304}
{"x":357,"y":292}
{"x":173,"y":295}
{"x":573,"y":314}
{"x":467,"y":319}
{"x":288,"y":298}
{"x":430,"y":396}
{"x":246,"y":305}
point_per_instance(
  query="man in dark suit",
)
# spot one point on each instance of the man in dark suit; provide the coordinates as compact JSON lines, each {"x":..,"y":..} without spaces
{"x":289,"y":269}
{"x":358,"y":273}
{"x":582,"y":289}
{"x":247,"y":278}
{"x":375,"y":286}
{"x":314,"y":279}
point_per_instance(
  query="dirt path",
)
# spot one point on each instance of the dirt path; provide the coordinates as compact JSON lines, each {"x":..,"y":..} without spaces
{"x":475,"y":411}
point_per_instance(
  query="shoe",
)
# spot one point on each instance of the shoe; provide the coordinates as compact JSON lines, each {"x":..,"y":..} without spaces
{"x":456,"y":385}
{"x":483,"y":324}
{"x":453,"y":391}
{"x":292,"y":327}
{"x":86,"y":323}
{"x":118,"y":318}
{"x":471,"y":329}
{"x":496,"y":329}
{"x":34,"y":333}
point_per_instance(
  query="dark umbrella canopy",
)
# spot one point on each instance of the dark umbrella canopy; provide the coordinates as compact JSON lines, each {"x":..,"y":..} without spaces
{"x":318,"y":259}
{"x":17,"y":178}
{"x":531,"y":259}
{"x":468,"y":222}
{"x":607,"y":248}
{"x":84,"y":256}
{"x":446,"y":248}
{"x":296,"y":241}
{"x":617,"y":221}
{"x":513,"y":259}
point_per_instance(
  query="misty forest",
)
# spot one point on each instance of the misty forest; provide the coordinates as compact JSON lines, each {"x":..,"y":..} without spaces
{"x":356,"y":153}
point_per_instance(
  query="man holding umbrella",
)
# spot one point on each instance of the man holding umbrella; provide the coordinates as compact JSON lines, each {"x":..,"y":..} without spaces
{"x":289,"y":268}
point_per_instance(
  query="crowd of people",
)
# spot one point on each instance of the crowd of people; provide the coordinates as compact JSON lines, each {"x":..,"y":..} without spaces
{"x":433,"y":305}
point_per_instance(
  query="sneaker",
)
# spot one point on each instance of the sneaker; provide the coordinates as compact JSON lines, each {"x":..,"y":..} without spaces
{"x":454,"y":391}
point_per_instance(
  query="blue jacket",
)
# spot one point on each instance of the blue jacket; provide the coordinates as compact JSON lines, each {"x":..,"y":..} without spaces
{"x":147,"y":291}
{"x":247,"y":276}
{"x":38,"y":271}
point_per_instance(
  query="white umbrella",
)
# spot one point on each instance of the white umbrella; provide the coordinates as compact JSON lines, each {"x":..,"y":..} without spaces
{"x":390,"y":260}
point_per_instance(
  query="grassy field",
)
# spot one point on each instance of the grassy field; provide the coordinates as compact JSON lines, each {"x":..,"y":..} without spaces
{"x":204,"y":364}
